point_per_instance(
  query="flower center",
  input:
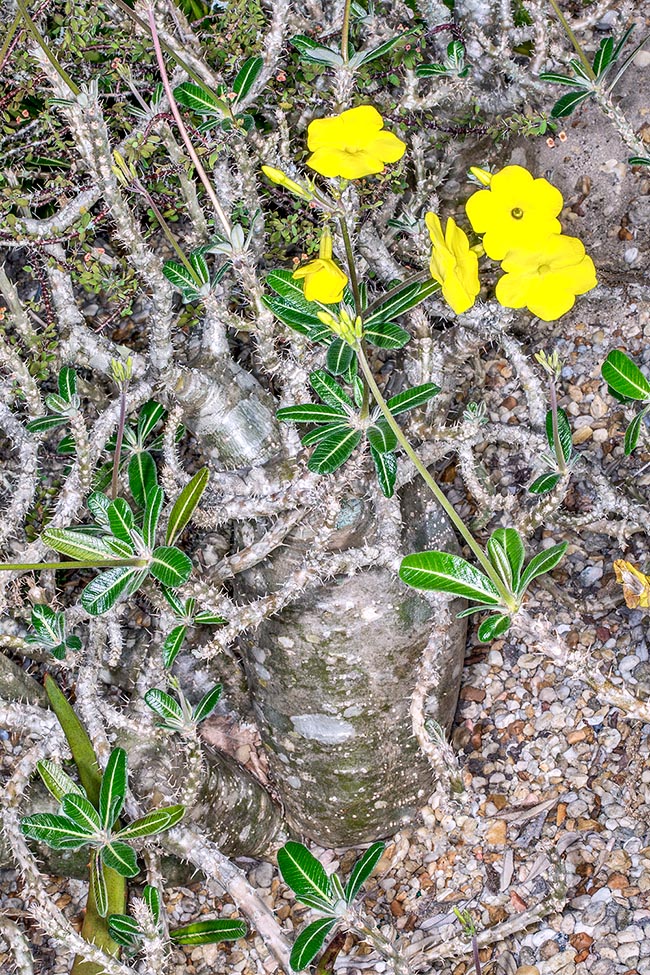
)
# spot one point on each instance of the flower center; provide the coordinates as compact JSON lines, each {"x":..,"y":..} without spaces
{"x":516,"y":213}
{"x":544,"y":268}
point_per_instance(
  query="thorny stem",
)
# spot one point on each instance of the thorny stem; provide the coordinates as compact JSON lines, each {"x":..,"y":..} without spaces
{"x":574,"y":40}
{"x":218,"y":209}
{"x":439,"y":495}
{"x":557,"y":445}
{"x":166,"y":229}
{"x":345,"y":32}
{"x":36,"y":34}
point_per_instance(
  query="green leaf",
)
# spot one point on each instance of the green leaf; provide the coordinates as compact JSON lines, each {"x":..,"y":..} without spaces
{"x":315,"y":436}
{"x":304,"y":874}
{"x":172,"y":645}
{"x":557,"y":79}
{"x":120,"y":858}
{"x":57,"y":782}
{"x":339,"y":356}
{"x":207,"y":704}
{"x":209,"y":932}
{"x":399,"y":300}
{"x":148,"y":418}
{"x":624,"y":377}
{"x":49,"y":626}
{"x":43,"y":423}
{"x":57,"y":404}
{"x":66,"y":445}
{"x":206,"y":618}
{"x":565,"y":105}
{"x":411,"y":398}
{"x":500,"y":561}
{"x":185,"y":505}
{"x":309,"y":942}
{"x":200,"y":265}
{"x":541,"y":564}
{"x":77,"y":808}
{"x":314,"y":52}
{"x":120,"y":549}
{"x":442,"y":572}
{"x":386,"y":335}
{"x":633,"y":161}
{"x":113,"y":789}
{"x":544,"y":483}
{"x":57,"y":832}
{"x":154,"y":822}
{"x":77,"y":738}
{"x":165,"y":706}
{"x":177,"y":605}
{"x":77,"y":545}
{"x":381,"y":437}
{"x":633,"y":431}
{"x":151,"y":517}
{"x":329,"y":390}
{"x":67,"y":383}
{"x":143,"y":476}
{"x":182,"y":279}
{"x":106,"y":588}
{"x":386,"y":468}
{"x":247,"y":76}
{"x":98,"y":505}
{"x":191,"y":96}
{"x":310,"y":413}
{"x":333,"y":451}
{"x":120,"y":519}
{"x":512,"y":543}
{"x":124,"y":930}
{"x":492,"y":627}
{"x":170,"y":566}
{"x":564,"y":432}
{"x":365,"y":57}
{"x":98,"y":885}
{"x":362,"y":870}
{"x":151,"y":897}
{"x":296,"y":319}
{"x":604,"y":55}
{"x":290,"y":289}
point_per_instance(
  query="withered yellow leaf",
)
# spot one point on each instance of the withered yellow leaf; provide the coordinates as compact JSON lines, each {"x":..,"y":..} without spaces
{"x":636,"y":584}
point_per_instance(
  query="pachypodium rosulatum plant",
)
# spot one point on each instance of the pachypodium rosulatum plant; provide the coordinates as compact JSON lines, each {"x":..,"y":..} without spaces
{"x":62,"y":408}
{"x":177,"y":714}
{"x":80,"y":824}
{"x":50,"y":632}
{"x":131,"y":935}
{"x":187,"y":616}
{"x":454,"y":64}
{"x":306,"y":877}
{"x":142,"y":435}
{"x":545,"y":270}
{"x":562,"y":457}
{"x":626,"y":383}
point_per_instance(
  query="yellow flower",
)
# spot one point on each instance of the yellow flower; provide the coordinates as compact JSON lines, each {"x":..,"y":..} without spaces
{"x":453,"y":264}
{"x":547,"y":277}
{"x":352,"y":144}
{"x":324,"y":279}
{"x":277,"y":176}
{"x":636,"y":584}
{"x":516,"y":211}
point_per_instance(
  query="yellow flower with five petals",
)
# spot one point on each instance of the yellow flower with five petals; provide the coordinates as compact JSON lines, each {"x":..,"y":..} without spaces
{"x":352,"y":144}
{"x":453,"y":263}
{"x":324,"y":280}
{"x":546,"y":277}
{"x":516,"y":211}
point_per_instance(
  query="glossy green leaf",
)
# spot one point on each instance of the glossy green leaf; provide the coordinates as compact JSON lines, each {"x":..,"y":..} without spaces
{"x":399,"y":300}
{"x":633,"y":432}
{"x":386,"y":469}
{"x":442,"y":572}
{"x":333,"y":451}
{"x":493,"y":627}
{"x":120,"y":549}
{"x":77,"y":545}
{"x":151,"y":516}
{"x":386,"y":335}
{"x":77,"y":808}
{"x":318,"y":434}
{"x":57,"y":832}
{"x":513,"y":545}
{"x":564,"y":432}
{"x":143,"y":476}
{"x":247,"y":76}
{"x":314,"y":52}
{"x":365,"y":57}
{"x":151,"y":413}
{"x":207,"y":618}
{"x":124,"y":930}
{"x":106,"y":588}
{"x":57,"y":782}
{"x":200,"y":266}
{"x":113,"y":788}
{"x":120,"y":858}
{"x":43,"y":423}
{"x":624,"y":376}
{"x":329,"y":390}
{"x":566,"y":105}
{"x":120,"y":519}
{"x":309,"y":942}
{"x":165,"y":706}
{"x":98,"y":505}
{"x":545,"y":483}
{"x":49,"y":625}
{"x":154,"y":822}
{"x":185,"y":505}
{"x":500,"y":561}
{"x":557,"y":79}
{"x":98,"y":885}
{"x":209,"y":932}
{"x":381,"y":437}
{"x":362,"y":870}
{"x":67,"y":383}
{"x":170,"y":566}
{"x":297,"y":319}
{"x":182,"y":279}
{"x":542,"y":563}
{"x":339,"y":356}
{"x":172,"y":645}
{"x":410,"y":398}
{"x":197,"y":99}
{"x":151,"y":897}
{"x":603,"y":56}
{"x":310,"y":413}
{"x":290,"y":289}
{"x":304,"y":874}
{"x":207,"y":704}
